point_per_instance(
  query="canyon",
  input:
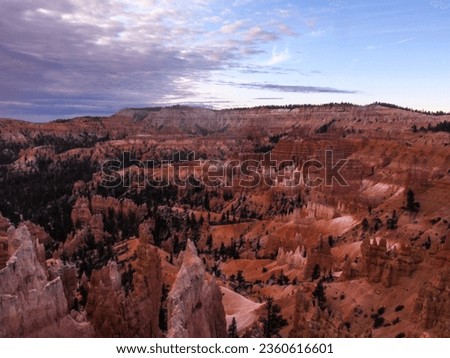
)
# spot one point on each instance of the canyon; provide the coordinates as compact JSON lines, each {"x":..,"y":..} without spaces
{"x":95,"y":244}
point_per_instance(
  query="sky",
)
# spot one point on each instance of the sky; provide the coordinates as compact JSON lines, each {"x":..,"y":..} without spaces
{"x":65,"y":58}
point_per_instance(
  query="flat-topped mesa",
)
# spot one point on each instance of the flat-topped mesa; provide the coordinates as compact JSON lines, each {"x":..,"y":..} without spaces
{"x":319,"y":259}
{"x":376,"y":121}
{"x":194,"y":305}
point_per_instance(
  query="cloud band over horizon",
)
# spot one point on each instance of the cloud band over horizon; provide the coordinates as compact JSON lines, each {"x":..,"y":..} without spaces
{"x":70,"y":57}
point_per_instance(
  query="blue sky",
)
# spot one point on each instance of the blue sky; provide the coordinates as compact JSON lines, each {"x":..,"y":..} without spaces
{"x":64,"y":58}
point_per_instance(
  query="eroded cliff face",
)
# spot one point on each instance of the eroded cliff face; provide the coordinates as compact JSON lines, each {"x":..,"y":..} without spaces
{"x":4,"y":256}
{"x":319,"y":258}
{"x":367,"y":262}
{"x":379,"y":264}
{"x":116,"y":313}
{"x":431,"y":310}
{"x":147,"y":288}
{"x":29,"y":302}
{"x":107,"y":302}
{"x":3,"y":251}
{"x":195,"y":302}
{"x":311,"y":321}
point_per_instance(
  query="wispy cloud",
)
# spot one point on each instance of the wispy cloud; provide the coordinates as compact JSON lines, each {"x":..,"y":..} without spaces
{"x":256,"y":33}
{"x":286,"y":30}
{"x":232,"y":27}
{"x":268,"y":98}
{"x":372,"y":47}
{"x":292,"y":89}
{"x":278,"y":57}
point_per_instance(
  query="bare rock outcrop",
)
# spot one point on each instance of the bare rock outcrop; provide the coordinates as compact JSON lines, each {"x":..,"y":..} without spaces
{"x":320,"y":257}
{"x":294,"y":260}
{"x":107,"y":302}
{"x":3,"y":251}
{"x":38,"y":232}
{"x":374,"y":258}
{"x":4,"y":256}
{"x":387,"y":266}
{"x":147,"y":283}
{"x":4,"y":224}
{"x":68,"y":275}
{"x":350,"y":269}
{"x":194,"y":306}
{"x":431,"y":310}
{"x":28,"y":301}
{"x":79,"y":188}
{"x":115,"y":313}
{"x":97,"y":228}
{"x":81,"y":212}
{"x":313,"y":322}
{"x":101,"y":205}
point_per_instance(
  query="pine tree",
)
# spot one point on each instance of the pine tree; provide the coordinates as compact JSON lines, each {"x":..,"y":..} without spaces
{"x":206,"y":203}
{"x":273,"y":321}
{"x":410,"y":200}
{"x":365,"y":224}
{"x":240,"y":279}
{"x":282,"y":279}
{"x":316,"y":272}
{"x":176,"y":245}
{"x":222,"y":249}
{"x":193,"y":220}
{"x":411,"y":203}
{"x":209,"y":242}
{"x":232,"y":329}
{"x":319,"y":294}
